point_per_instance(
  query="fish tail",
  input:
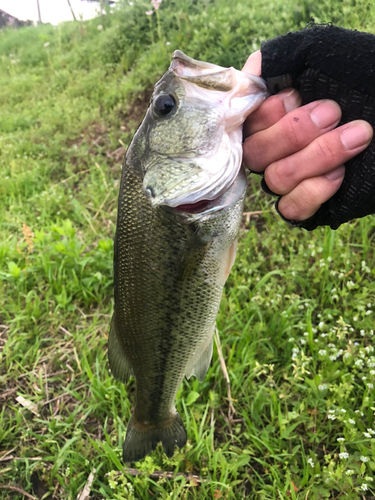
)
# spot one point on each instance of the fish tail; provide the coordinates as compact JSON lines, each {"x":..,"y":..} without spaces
{"x":142,"y":439}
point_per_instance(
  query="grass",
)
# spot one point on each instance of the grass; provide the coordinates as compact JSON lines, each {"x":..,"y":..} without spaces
{"x":296,"y":319}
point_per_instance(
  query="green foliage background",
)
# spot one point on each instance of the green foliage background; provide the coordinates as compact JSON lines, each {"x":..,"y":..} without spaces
{"x":295,"y":321}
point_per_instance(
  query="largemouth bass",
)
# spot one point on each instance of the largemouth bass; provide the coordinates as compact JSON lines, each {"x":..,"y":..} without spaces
{"x":180,"y":206}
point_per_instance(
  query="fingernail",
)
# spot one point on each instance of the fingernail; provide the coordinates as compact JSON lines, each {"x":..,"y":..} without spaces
{"x":356,"y":135}
{"x":325,"y":114}
{"x":292,"y":100}
{"x":336,"y":174}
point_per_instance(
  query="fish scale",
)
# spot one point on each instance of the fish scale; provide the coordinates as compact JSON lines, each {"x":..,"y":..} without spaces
{"x":170,"y":265}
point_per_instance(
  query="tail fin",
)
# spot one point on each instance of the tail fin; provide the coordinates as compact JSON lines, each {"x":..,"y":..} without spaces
{"x":141,"y":440}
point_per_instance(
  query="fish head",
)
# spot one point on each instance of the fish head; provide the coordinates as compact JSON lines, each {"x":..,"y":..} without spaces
{"x":193,"y":132}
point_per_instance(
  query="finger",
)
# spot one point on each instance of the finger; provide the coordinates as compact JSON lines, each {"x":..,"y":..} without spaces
{"x":253,"y":64}
{"x":303,"y":201}
{"x":272,"y":110}
{"x":290,"y":134}
{"x":323,"y":155}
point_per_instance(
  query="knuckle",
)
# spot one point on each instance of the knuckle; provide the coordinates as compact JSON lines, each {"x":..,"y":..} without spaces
{"x":294,"y":134}
{"x":325,"y":152}
{"x":289,"y":209}
{"x":303,"y":201}
{"x":278,"y":176}
{"x":252,"y":154}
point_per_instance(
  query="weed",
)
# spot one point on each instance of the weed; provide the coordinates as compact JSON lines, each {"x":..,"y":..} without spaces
{"x":296,"y":318}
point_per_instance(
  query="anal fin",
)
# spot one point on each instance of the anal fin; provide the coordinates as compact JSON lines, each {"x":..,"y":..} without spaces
{"x":201,"y":365}
{"x":118,"y":361}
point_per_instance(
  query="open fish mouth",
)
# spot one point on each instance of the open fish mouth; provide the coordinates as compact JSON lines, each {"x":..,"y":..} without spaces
{"x":205,"y":207}
{"x":198,"y":207}
{"x":207,"y":104}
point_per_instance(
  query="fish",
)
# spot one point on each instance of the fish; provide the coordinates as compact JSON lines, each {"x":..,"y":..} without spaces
{"x":179,"y":211}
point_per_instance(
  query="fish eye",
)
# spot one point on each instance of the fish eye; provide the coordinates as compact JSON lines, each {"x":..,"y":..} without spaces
{"x":164,"y":104}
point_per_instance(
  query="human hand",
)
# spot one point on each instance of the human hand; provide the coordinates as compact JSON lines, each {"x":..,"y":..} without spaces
{"x":299,"y":149}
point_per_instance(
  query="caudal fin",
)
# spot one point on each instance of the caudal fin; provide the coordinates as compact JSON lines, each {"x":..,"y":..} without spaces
{"x":141,"y":440}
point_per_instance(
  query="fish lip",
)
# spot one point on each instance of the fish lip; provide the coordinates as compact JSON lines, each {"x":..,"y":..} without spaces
{"x":193,"y":64}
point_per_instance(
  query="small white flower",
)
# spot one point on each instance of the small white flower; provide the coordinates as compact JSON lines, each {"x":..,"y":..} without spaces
{"x":371,"y":431}
{"x":321,"y":324}
{"x":322,"y":352}
{"x":340,"y":440}
{"x":310,"y":462}
{"x":306,"y":334}
{"x":324,"y":335}
{"x":355,"y":318}
{"x":46,"y":44}
{"x":343,"y":410}
{"x":364,"y":487}
{"x":322,"y":387}
{"x":367,"y":434}
{"x":131,"y":4}
{"x":291,"y":339}
{"x":349,"y":472}
{"x":364,"y":459}
{"x":343,"y":455}
{"x":100,"y":27}
{"x":331,"y":417}
{"x":370,"y":386}
{"x":351,"y":421}
{"x":112,"y":484}
{"x":168,"y":43}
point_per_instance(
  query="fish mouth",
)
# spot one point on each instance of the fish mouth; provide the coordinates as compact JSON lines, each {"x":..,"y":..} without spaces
{"x":199,"y":207}
{"x":207,"y":207}
{"x":198,"y":71}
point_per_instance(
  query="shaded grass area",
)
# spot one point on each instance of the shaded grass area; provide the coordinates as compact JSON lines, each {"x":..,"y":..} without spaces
{"x":296,"y":317}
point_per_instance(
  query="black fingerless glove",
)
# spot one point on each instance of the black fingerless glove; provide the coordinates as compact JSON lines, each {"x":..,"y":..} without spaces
{"x":326,"y":62}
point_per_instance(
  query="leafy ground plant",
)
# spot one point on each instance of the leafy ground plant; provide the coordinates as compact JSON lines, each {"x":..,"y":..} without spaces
{"x":296,"y":319}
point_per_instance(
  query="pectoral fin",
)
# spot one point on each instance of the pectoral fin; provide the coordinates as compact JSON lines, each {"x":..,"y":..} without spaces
{"x":118,"y":361}
{"x":231,"y":258}
{"x":200,"y":366}
{"x":190,"y":256}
